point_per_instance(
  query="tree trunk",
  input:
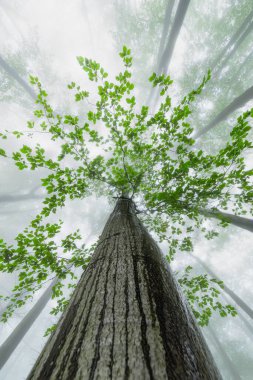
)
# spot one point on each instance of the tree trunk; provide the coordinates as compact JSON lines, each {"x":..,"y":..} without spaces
{"x":238,"y":102}
{"x":239,"y":302}
{"x":238,"y":35}
{"x":239,"y":221}
{"x":247,"y":325}
{"x":166,"y":25}
{"x":127,"y":318}
{"x":11,"y":343}
{"x":234,"y":375}
{"x":12,"y":73}
{"x":175,"y":30}
{"x":236,"y":46}
{"x":154,"y":92}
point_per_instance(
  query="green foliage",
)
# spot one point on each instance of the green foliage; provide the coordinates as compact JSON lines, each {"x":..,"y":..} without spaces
{"x":203,"y":296}
{"x":152,"y":157}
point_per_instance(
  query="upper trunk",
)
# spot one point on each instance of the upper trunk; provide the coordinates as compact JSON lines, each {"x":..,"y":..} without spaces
{"x":127,"y":318}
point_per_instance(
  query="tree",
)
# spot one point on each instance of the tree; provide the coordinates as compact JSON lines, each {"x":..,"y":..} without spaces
{"x":175,"y":30}
{"x":11,"y":343}
{"x":148,"y":161}
{"x":13,"y":74}
{"x":238,"y":102}
{"x":142,"y":325}
{"x":239,"y":302}
{"x":166,"y":26}
{"x":234,"y":375}
{"x":235,"y":40}
{"x":239,"y":221}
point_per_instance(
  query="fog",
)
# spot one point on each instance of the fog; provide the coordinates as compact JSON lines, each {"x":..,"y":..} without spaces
{"x":43,"y":38}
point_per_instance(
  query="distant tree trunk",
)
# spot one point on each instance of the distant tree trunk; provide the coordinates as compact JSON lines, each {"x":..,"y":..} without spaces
{"x":239,"y":221}
{"x":173,"y":36}
{"x":238,"y":102}
{"x":11,"y":343}
{"x":234,"y":42}
{"x":154,"y":92}
{"x":247,"y":324}
{"x":13,"y":73}
{"x":236,"y":46}
{"x":234,"y":374}
{"x":127,"y":318}
{"x":239,"y":302}
{"x":243,"y":65}
{"x":166,"y":25}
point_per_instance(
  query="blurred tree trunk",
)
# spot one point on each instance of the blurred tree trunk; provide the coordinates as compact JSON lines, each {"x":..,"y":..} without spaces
{"x":11,"y":343}
{"x":235,"y":47}
{"x":127,"y":318}
{"x":166,"y":26}
{"x":13,"y":74}
{"x":234,"y":375}
{"x":238,"y":102}
{"x":239,"y":302}
{"x":173,"y":36}
{"x":154,"y":92}
{"x":239,"y":221}
{"x":233,"y":44}
{"x":247,"y":324}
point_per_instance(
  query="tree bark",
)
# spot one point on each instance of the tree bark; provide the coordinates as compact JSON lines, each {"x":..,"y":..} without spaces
{"x":127,"y":318}
{"x":11,"y":343}
{"x":172,"y":39}
{"x":238,"y":102}
{"x":239,"y":221}
{"x":239,"y":302}
{"x":12,"y":73}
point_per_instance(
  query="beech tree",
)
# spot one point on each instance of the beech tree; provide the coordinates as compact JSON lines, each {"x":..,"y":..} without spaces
{"x":127,"y":317}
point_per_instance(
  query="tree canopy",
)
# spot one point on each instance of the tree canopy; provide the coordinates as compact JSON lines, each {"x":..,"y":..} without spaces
{"x":119,"y":147}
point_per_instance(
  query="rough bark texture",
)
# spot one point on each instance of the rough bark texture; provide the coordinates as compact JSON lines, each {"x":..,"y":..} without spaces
{"x":127,"y":318}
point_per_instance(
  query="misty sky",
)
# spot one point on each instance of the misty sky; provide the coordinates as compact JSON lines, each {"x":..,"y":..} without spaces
{"x":44,"y":38}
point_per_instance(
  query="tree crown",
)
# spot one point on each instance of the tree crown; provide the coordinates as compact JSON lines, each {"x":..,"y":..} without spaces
{"x":116,"y":148}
